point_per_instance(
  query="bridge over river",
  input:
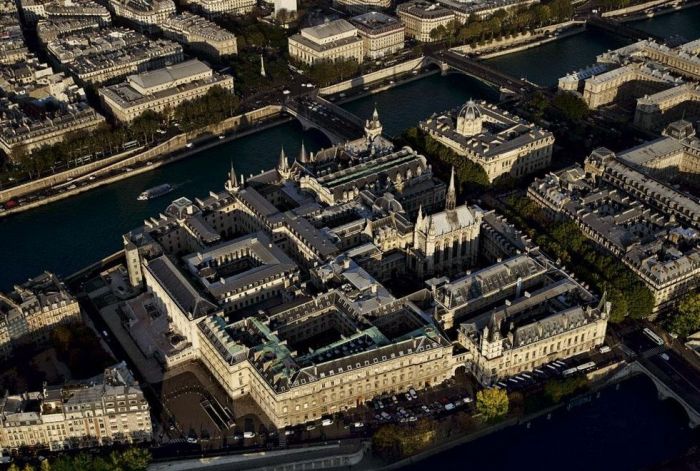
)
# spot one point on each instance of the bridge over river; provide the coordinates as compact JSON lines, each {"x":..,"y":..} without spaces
{"x":315,"y":112}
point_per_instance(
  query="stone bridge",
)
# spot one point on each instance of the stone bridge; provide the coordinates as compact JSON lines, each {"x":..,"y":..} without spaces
{"x":314,"y":112}
{"x":620,"y":29}
{"x":507,"y":83}
{"x":668,"y":386}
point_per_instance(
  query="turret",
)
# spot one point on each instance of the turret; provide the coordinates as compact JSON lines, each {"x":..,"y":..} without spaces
{"x":302,"y":154}
{"x":373,"y":127}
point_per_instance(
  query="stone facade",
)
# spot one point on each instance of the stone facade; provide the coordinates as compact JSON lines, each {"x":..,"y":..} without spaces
{"x":329,"y":42}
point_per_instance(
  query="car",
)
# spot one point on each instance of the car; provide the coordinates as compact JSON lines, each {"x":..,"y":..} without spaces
{"x":327,"y":421}
{"x":189,"y":145}
{"x":358,"y":425}
{"x":237,"y":436}
{"x":408,"y":397}
{"x":665,"y":356}
{"x":412,"y":418}
{"x":449,"y":406}
{"x":249,"y":434}
{"x":105,"y":334}
{"x":289,"y":432}
{"x":425,"y":408}
{"x":468,"y":400}
{"x":413,"y":393}
{"x":311,"y":427}
{"x":191,"y":440}
{"x":221,"y":136}
{"x":393,"y":398}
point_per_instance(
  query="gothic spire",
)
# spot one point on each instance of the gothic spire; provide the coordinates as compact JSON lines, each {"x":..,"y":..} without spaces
{"x":283,"y":164}
{"x":451,"y":198}
{"x":232,"y":182}
{"x":302,"y":154}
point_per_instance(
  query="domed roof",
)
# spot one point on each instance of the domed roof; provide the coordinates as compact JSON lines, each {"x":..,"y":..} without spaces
{"x":470,"y":111}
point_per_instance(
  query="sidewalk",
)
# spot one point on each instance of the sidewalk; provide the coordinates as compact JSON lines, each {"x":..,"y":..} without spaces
{"x":319,"y":457}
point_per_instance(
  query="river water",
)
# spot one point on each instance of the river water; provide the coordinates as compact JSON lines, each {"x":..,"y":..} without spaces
{"x":625,"y":429}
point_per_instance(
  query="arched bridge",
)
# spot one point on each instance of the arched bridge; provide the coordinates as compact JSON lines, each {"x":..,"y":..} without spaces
{"x":673,"y":378}
{"x":314,"y":112}
{"x":620,"y":29}
{"x":453,"y":60}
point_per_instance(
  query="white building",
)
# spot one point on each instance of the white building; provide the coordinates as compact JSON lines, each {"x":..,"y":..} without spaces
{"x":161,"y":89}
{"x":329,"y":42}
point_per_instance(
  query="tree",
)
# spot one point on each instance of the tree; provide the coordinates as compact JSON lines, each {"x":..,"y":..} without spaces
{"x":492,"y":403}
{"x":687,"y":320}
{"x":571,"y":106}
{"x":45,"y":466}
{"x":556,"y":389}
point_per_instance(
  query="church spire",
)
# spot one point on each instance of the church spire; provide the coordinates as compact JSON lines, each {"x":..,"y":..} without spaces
{"x":451,"y":198}
{"x":302,"y":154}
{"x":232,"y":182}
{"x":283,"y":165}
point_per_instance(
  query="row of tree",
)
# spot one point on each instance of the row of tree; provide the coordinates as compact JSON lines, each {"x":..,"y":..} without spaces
{"x":132,"y":459}
{"x":81,"y":147}
{"x":504,"y":23}
{"x":329,"y":72}
{"x":601,"y":270}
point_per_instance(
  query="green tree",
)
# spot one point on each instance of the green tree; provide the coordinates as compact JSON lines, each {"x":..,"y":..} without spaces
{"x":687,"y":320}
{"x":571,"y":106}
{"x":45,"y":466}
{"x":492,"y":403}
{"x":557,"y":389}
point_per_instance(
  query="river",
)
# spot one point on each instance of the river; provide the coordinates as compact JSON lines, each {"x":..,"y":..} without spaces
{"x":625,"y":429}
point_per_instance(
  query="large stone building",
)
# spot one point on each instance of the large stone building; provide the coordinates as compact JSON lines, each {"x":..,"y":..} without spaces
{"x":627,"y":75}
{"x":648,"y":225}
{"x":104,"y":410}
{"x":421,"y":17}
{"x":13,"y":47}
{"x":200,"y":35}
{"x":39,"y":107}
{"x":381,"y":34}
{"x":161,"y":89}
{"x":32,"y":309}
{"x":279,"y":285}
{"x":655,"y":111}
{"x":362,"y":6}
{"x":328,"y":42}
{"x":147,"y":15}
{"x":35,"y":10}
{"x":500,"y":142}
{"x":215,"y":8}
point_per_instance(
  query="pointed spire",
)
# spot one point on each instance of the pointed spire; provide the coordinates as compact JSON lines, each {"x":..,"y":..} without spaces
{"x":375,"y":114}
{"x":419,"y":218}
{"x":302,"y":154}
{"x":232,"y":182}
{"x":262,"y":67}
{"x":283,"y":164}
{"x":451,"y":198}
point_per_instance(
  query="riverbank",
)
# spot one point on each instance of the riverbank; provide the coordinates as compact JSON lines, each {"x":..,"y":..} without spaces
{"x":157,"y":162}
{"x":663,"y":10}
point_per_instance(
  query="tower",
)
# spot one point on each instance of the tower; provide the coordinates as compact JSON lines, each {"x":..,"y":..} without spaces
{"x":451,"y":197}
{"x":232,"y":181}
{"x":373,"y":127}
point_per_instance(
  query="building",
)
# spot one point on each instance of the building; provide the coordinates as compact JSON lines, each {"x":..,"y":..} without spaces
{"x":13,"y":47}
{"x":558,"y":321}
{"x":363,"y":6}
{"x":32,"y":309}
{"x":421,"y":18}
{"x":50,"y":30}
{"x":105,"y":410}
{"x":654,"y":112}
{"x":146,"y":15}
{"x":200,"y":35}
{"x":109,"y":54}
{"x":500,"y":142}
{"x":328,"y":42}
{"x":650,"y":227}
{"x":381,"y":34}
{"x":39,"y":107}
{"x":35,"y":10}
{"x":214,"y":8}
{"x":161,"y":89}
{"x":280,"y":285}
{"x":631,"y":72}
{"x":482,"y":9}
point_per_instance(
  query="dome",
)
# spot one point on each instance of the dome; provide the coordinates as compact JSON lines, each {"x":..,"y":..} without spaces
{"x":470,"y":111}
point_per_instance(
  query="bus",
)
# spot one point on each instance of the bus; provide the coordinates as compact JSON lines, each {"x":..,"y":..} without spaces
{"x":586,"y":366}
{"x":654,"y":338}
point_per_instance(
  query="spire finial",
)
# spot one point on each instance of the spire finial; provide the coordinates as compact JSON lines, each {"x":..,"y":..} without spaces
{"x":232,"y":183}
{"x":302,"y":153}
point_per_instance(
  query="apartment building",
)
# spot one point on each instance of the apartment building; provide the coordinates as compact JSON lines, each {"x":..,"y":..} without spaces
{"x":421,"y":17}
{"x":381,"y":34}
{"x":104,"y":410}
{"x":200,"y":35}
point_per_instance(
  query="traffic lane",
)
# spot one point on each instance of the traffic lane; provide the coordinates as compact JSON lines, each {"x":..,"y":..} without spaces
{"x":686,"y":379}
